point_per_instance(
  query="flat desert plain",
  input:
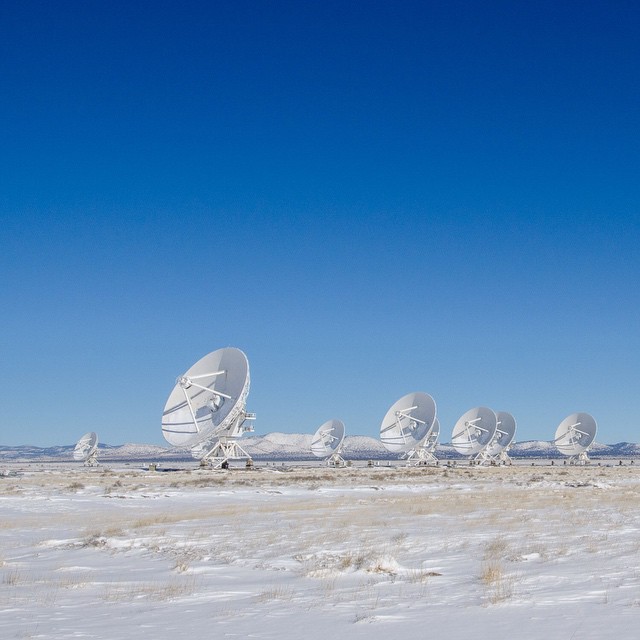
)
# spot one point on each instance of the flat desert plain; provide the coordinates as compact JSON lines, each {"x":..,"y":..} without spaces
{"x":524,"y":551}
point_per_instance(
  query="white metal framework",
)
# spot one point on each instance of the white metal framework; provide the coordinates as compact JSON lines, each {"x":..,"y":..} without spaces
{"x":336,"y":460}
{"x":92,"y":459}
{"x":424,"y":453}
{"x":218,"y":451}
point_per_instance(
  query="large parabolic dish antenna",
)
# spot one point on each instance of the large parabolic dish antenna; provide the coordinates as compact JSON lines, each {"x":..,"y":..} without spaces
{"x":505,"y":433}
{"x":86,"y":450}
{"x":474,"y":431}
{"x":327,"y":442}
{"x":327,"y":439}
{"x":408,"y":422}
{"x":208,"y":399}
{"x":575,"y":434}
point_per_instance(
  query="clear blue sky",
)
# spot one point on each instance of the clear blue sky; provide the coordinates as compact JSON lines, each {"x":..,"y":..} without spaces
{"x":368,"y":198}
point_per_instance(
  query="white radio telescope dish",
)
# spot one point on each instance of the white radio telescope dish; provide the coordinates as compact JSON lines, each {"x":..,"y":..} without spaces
{"x":327,"y":442}
{"x":208,"y":406}
{"x":497,"y":450}
{"x":409,"y":421}
{"x":574,"y":435}
{"x":86,"y":450}
{"x":474,"y":431}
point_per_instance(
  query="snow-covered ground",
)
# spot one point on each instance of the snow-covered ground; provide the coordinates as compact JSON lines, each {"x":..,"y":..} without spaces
{"x":522,"y":551}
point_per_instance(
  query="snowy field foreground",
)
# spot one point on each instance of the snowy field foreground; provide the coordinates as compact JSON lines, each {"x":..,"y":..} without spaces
{"x":528,"y":552}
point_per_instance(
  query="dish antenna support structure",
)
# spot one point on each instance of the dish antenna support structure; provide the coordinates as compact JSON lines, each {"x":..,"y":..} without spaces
{"x":327,"y":442}
{"x":575,"y":435}
{"x":219,"y":450}
{"x":206,"y":411}
{"x":425,"y":452}
{"x":86,"y":450}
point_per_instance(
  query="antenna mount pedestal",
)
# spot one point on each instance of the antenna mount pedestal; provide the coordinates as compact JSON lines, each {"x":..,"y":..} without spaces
{"x":425,"y":452}
{"x":421,"y":456}
{"x":224,"y":450}
{"x":92,"y":460}
{"x":581,"y":459}
{"x":336,"y":460}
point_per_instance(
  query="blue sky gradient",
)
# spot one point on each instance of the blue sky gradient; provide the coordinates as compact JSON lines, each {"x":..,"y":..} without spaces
{"x":367,"y":198}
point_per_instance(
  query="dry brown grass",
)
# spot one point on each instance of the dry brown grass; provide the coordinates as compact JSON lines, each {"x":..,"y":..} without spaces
{"x":420,"y":576}
{"x":277,"y":592}
{"x":12,"y":577}
{"x":499,"y":583}
{"x":170,"y":590}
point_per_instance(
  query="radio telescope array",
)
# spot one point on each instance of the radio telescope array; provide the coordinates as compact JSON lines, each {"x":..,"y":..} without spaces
{"x":327,"y":443}
{"x":86,"y":450}
{"x":410,"y":428}
{"x":206,"y":411}
{"x":575,"y":435}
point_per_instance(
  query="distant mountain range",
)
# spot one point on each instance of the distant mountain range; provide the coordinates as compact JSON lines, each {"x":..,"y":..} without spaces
{"x":296,"y":447}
